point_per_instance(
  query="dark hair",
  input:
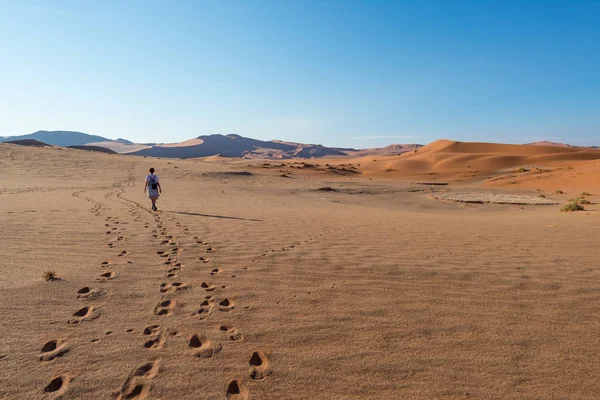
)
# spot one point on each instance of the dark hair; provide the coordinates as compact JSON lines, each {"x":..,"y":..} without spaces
{"x":151,"y":170}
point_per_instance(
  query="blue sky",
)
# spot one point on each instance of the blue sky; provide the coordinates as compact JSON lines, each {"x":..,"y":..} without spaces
{"x":343,"y":73}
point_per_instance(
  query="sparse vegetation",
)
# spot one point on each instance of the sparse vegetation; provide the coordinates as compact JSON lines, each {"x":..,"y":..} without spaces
{"x":585,"y":194}
{"x":580,"y":200}
{"x":542,"y":195}
{"x":50,"y":276}
{"x":521,"y":170}
{"x":559,"y":192}
{"x":571,"y":206}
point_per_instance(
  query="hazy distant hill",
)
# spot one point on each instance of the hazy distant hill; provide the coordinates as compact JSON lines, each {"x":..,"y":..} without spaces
{"x":58,"y":138}
{"x":547,"y":143}
{"x":391,"y":150}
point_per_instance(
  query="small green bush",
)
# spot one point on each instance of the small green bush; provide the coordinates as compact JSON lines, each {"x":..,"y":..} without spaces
{"x":572,"y":206}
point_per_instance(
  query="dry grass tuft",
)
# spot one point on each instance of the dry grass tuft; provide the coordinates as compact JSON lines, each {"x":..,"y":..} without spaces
{"x":580,"y":200}
{"x":50,"y":276}
{"x":572,"y":206}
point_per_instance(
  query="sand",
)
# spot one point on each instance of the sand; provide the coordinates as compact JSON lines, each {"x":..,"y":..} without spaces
{"x":263,"y":287}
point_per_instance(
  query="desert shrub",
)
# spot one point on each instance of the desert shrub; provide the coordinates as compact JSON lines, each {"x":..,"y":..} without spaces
{"x":50,"y":276}
{"x":559,"y":192}
{"x":584,"y":194}
{"x":580,"y":200}
{"x":542,"y":195}
{"x":572,"y":206}
{"x":522,"y":170}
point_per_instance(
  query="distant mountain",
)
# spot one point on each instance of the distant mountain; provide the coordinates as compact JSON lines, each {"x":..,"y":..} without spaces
{"x":555,"y":144}
{"x":238,"y":146}
{"x":124,"y":141}
{"x":59,"y":138}
{"x":391,"y":150}
{"x":206,"y":146}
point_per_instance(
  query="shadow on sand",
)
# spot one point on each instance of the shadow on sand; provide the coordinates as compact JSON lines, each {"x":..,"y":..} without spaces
{"x":216,"y":216}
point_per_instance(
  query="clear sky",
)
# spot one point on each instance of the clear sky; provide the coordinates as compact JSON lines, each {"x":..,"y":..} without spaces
{"x":341,"y":73}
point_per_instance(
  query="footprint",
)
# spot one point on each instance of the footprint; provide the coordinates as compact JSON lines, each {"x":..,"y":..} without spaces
{"x":84,"y":314}
{"x":147,"y":371}
{"x":205,"y":309}
{"x":173,"y":287}
{"x":156,"y":343}
{"x":54,"y":348}
{"x":226,"y":305}
{"x":105,"y":263}
{"x":237,"y":390}
{"x":215,"y":271}
{"x":259,"y":366}
{"x":164,"y":308}
{"x":210,"y":250}
{"x":137,"y":385}
{"x":232,"y":333}
{"x":207,"y":286}
{"x":123,"y":253}
{"x":160,"y":253}
{"x":106,"y":276}
{"x":152,"y":330}
{"x":204,"y":259}
{"x":203,"y":347}
{"x":57,"y":386}
{"x":87,"y":292}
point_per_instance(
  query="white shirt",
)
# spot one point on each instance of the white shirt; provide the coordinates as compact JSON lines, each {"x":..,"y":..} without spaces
{"x":153,"y":176}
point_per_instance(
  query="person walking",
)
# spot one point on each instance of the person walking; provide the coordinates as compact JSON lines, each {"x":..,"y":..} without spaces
{"x":153,"y":187}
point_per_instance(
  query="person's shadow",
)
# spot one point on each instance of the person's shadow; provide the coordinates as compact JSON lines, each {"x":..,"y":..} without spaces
{"x":217,"y":216}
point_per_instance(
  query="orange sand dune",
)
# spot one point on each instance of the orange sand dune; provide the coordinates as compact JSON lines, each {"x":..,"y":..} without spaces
{"x":490,"y":164}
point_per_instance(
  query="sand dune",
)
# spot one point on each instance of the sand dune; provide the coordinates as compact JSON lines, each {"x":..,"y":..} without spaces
{"x":119,"y":147}
{"x":525,"y":166}
{"x":247,"y":284}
